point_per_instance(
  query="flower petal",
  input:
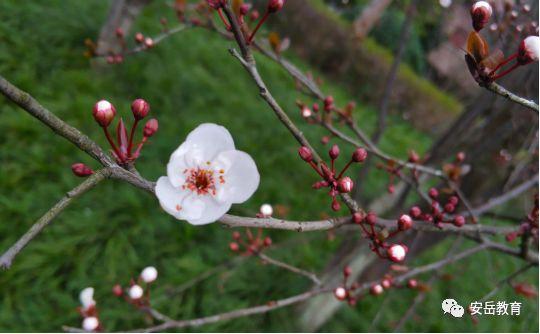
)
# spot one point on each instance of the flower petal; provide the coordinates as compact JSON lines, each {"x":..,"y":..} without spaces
{"x":210,"y":139}
{"x":212,"y":211}
{"x":240,"y":174}
{"x":179,"y":203}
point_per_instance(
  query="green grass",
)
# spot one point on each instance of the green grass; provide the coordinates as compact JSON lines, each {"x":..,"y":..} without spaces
{"x":109,"y":234}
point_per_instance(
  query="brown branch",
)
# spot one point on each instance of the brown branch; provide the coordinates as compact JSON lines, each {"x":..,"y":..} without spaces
{"x":500,"y":90}
{"x":7,"y":258}
{"x":290,"y":268}
{"x":506,"y":280}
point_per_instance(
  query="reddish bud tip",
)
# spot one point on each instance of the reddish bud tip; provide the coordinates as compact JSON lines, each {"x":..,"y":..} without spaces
{"x":244,"y":8}
{"x":335,"y":205}
{"x":104,"y":113}
{"x":449,"y":208}
{"x":305,"y":154}
{"x":386,"y":283}
{"x":329,"y":100}
{"x":480,"y":13}
{"x":345,"y":185}
{"x":315,"y":107}
{"x":459,"y":221}
{"x":275,"y":5}
{"x":267,"y":242}
{"x":397,"y":253}
{"x":148,"y":42}
{"x":117,"y":290}
{"x":454,"y":200}
{"x":140,"y":108}
{"x":405,"y":222}
{"x":460,"y":157}
{"x":333,"y":152}
{"x":150,"y":128}
{"x":119,"y":32}
{"x":254,"y":15}
{"x":376,"y":289}
{"x":139,"y":37}
{"x":347,"y":271}
{"x":359,"y":155}
{"x":415,"y":212}
{"x":414,"y":157}
{"x":433,"y":193}
{"x":81,"y":170}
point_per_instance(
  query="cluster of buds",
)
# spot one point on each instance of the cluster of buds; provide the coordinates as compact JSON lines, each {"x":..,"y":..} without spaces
{"x":529,"y":225}
{"x":456,"y":169}
{"x":88,"y":311}
{"x":243,"y":10}
{"x":123,"y":150}
{"x":485,"y":67}
{"x":250,"y":245}
{"x":138,"y":291}
{"x":346,"y":292}
{"x":439,"y":214}
{"x":331,"y":112}
{"x":336,"y":182}
{"x":515,"y":19}
{"x":379,"y":245}
{"x":395,"y":170}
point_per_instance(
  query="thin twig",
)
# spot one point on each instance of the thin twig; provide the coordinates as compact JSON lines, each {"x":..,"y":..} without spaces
{"x":500,"y":90}
{"x":290,"y":268}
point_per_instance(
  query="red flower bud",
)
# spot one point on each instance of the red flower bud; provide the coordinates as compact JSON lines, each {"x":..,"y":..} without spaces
{"x":413,"y":157}
{"x":454,"y":200}
{"x":325,"y":140}
{"x":315,"y":107}
{"x":357,"y":217}
{"x":150,"y":128}
{"x":119,"y":32}
{"x":236,"y":235}
{"x":140,"y":109}
{"x":376,"y":289}
{"x":117,"y":290}
{"x":335,"y":205}
{"x":345,"y":185}
{"x":359,"y":155}
{"x":305,"y":154}
{"x":460,"y":157}
{"x":81,"y":170}
{"x":459,"y":221}
{"x":391,"y":189}
{"x":449,"y":208}
{"x":405,"y":222}
{"x":433,"y":193}
{"x":275,"y":5}
{"x":371,"y":218}
{"x":104,"y":113}
{"x":347,"y":271}
{"x":267,"y":242}
{"x":480,"y":13}
{"x":334,"y":152}
{"x":415,"y":212}
{"x":329,"y":100}
{"x":397,"y":253}
{"x":254,"y":15}
{"x":139,"y":37}
{"x":386,"y":283}
{"x":244,"y":8}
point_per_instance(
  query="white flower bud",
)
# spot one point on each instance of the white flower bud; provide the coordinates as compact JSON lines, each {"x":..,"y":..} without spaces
{"x":266,"y":210}
{"x":87,"y":298}
{"x":149,"y":274}
{"x":90,"y":324}
{"x":136,"y":292}
{"x":340,"y":293}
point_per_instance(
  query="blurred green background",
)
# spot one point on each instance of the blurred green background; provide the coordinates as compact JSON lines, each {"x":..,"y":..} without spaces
{"x":111,"y":233}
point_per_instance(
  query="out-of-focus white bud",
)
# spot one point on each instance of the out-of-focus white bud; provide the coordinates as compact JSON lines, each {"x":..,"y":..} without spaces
{"x":87,"y":298}
{"x":136,"y":292}
{"x":90,"y":324}
{"x":149,"y":274}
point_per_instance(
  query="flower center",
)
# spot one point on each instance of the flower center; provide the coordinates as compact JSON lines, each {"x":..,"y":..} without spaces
{"x":202,"y":181}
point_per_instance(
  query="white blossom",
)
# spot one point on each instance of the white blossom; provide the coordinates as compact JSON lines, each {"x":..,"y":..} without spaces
{"x":135,"y":292}
{"x":532,"y":47}
{"x":87,"y":298}
{"x":90,"y":324}
{"x":149,"y":274}
{"x":205,"y":176}
{"x":266,"y":210}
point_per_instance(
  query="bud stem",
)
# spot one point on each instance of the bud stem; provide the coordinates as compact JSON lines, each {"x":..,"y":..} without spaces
{"x":344,"y":169}
{"x":131,"y":135}
{"x":227,"y":25}
{"x":504,"y":62}
{"x":261,"y":21}
{"x":113,"y":145}
{"x":516,"y":65}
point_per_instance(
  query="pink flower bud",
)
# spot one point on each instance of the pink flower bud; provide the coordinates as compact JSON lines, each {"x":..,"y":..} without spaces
{"x":267,"y":242}
{"x":305,"y":112}
{"x":459,"y":221}
{"x":340,"y":293}
{"x":150,"y":128}
{"x":412,"y":284}
{"x":357,"y":217}
{"x":275,"y":5}
{"x":117,"y":290}
{"x":335,"y":205}
{"x":376,"y":289}
{"x":315,"y":107}
{"x":148,"y":42}
{"x":216,"y":4}
{"x":460,"y":157}
{"x":345,"y":185}
{"x":236,"y":235}
{"x":480,"y":13}
{"x":386,"y":283}
{"x":140,"y":109}
{"x":305,"y":154}
{"x":391,"y":189}
{"x":104,"y":113}
{"x":254,"y":15}
{"x":529,"y":50}
{"x":244,"y":8}
{"x":454,"y":200}
{"x":334,"y":152}
{"x":81,"y":169}
{"x":415,"y":212}
{"x":347,"y":271}
{"x":511,"y":236}
{"x":119,"y":32}
{"x":449,"y":208}
{"x":404,"y":222}
{"x":359,"y":155}
{"x":234,"y":246}
{"x":325,"y":140}
{"x":397,"y":253}
{"x":329,"y":100}
{"x":433,"y":193}
{"x":139,"y":37}
{"x":413,"y":157}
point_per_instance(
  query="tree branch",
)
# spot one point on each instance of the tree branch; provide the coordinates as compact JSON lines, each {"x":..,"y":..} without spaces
{"x":290,"y":268}
{"x":500,"y":90}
